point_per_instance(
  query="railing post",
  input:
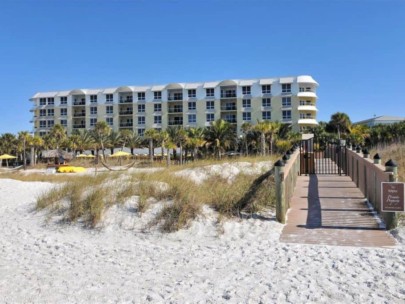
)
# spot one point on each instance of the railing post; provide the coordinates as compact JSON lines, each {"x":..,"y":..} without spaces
{"x":392,"y":217}
{"x":280,"y":191}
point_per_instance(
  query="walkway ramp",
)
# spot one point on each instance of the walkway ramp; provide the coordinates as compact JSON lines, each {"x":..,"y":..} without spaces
{"x":331,"y":210}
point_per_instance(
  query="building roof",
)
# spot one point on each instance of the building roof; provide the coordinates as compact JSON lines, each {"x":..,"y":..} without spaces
{"x":381,"y":118}
{"x":211,"y":84}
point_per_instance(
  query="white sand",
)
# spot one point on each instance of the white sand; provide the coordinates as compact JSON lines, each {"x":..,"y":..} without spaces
{"x":226,"y":170}
{"x":246,"y":263}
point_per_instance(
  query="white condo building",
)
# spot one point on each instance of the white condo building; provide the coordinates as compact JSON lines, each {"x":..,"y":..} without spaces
{"x":289,"y":100}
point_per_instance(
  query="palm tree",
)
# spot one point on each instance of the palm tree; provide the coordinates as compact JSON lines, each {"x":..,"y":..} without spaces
{"x":262,"y":127}
{"x":273,"y":129}
{"x":24,"y":139}
{"x":359,"y":134}
{"x":340,"y":123}
{"x":100,"y":134}
{"x":179,"y":137}
{"x":195,"y":140}
{"x":167,"y":144}
{"x":220,"y":136}
{"x":246,"y":127}
{"x":114,"y":140}
{"x":81,"y":140}
{"x":58,"y":134}
{"x":151,"y":135}
{"x":8,"y":143}
{"x":131,"y":139}
{"x":36,"y":143}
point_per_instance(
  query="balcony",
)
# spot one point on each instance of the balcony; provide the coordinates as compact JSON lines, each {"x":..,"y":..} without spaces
{"x":176,"y":122}
{"x":126,"y":112}
{"x":228,"y":108}
{"x":175,"y":110}
{"x":307,"y":121}
{"x":81,"y":114}
{"x":307,"y":94}
{"x":79,"y":103}
{"x":128,"y":100}
{"x":307,"y":107}
{"x":175,"y":97}
{"x":228,"y":93}
{"x":79,"y":126}
{"x":126,"y":124}
{"x":231,"y":120}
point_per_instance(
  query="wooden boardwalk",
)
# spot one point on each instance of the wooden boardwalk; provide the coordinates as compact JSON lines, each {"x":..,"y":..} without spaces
{"x":331,"y":210}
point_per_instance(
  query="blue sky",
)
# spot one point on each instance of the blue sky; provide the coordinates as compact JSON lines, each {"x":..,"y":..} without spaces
{"x":354,"y":49}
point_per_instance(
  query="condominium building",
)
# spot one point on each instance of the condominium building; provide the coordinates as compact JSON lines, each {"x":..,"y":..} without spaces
{"x":290,"y":100}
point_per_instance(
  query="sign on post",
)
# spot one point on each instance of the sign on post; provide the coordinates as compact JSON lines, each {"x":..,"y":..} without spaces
{"x":392,"y":197}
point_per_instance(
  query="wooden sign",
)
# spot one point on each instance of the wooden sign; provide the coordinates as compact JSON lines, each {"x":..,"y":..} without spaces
{"x":392,"y":197}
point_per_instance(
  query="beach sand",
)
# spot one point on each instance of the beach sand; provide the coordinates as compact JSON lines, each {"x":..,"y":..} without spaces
{"x":237,"y":261}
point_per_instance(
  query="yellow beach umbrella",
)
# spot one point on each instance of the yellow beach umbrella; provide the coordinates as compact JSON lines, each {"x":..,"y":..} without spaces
{"x":81,"y":156}
{"x":90,"y":156}
{"x":7,"y":156}
{"x":120,"y":154}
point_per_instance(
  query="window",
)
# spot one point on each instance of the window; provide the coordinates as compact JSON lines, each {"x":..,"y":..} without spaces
{"x":63,"y":100}
{"x":63,"y":112}
{"x":266,"y":115}
{"x":210,"y":105}
{"x":42,"y":101}
{"x":157,"y":107}
{"x":157,"y":119}
{"x":42,"y":133}
{"x":210,"y":92}
{"x":93,"y":110}
{"x":141,"y":120}
{"x":247,"y":116}
{"x":42,"y":124}
{"x":109,"y":98}
{"x":63,"y":122}
{"x":141,"y":132}
{"x":192,"y":118}
{"x":246,"y":103}
{"x":50,"y":123}
{"x":286,"y":115}
{"x":109,"y":121}
{"x":286,"y":102}
{"x":51,"y":101}
{"x":51,"y":112}
{"x":42,"y":112}
{"x":210,"y":117}
{"x":93,"y":98}
{"x":266,"y":102}
{"x":286,"y":87}
{"x":192,"y":93}
{"x":157,"y":95}
{"x":266,"y":89}
{"x":192,"y":105}
{"x":246,"y":90}
{"x":109,"y":110}
{"x":93,"y":122}
{"x":141,"y":96}
{"x":141,"y":108}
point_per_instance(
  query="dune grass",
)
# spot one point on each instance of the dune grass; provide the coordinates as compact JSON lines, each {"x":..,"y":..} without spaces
{"x":395,"y":152}
{"x":88,"y":197}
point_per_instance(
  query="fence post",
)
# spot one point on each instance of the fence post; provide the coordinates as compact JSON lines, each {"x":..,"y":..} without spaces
{"x":280,"y":191}
{"x":392,"y":217}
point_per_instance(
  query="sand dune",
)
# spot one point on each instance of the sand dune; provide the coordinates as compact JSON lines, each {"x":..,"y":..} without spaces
{"x":240,"y":261}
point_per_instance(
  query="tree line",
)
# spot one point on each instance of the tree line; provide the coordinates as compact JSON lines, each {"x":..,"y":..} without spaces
{"x":263,"y":138}
{"x":341,"y":127}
